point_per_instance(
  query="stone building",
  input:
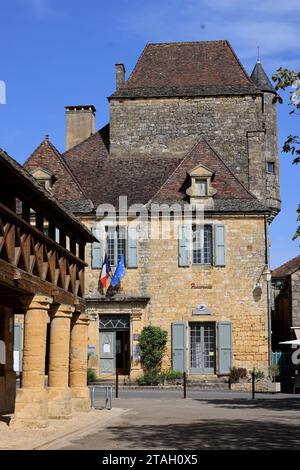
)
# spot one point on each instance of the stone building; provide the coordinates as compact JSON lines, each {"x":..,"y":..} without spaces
{"x":42,"y":265}
{"x":189,"y":129}
{"x":285,"y":301}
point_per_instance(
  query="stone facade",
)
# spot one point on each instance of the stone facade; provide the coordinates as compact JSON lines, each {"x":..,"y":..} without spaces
{"x":295,"y":287}
{"x":236,"y":292}
{"x":242,"y":129}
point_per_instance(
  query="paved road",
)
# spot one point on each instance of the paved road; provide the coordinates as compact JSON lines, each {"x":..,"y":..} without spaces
{"x":205,"y":420}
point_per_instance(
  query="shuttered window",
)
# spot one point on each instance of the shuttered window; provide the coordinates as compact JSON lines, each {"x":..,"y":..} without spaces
{"x":202,"y":244}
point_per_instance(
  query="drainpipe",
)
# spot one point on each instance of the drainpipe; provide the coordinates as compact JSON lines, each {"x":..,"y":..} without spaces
{"x":268,"y":275}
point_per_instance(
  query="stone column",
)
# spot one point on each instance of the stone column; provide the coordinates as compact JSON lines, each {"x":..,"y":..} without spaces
{"x":59,"y":393}
{"x":136,"y":328}
{"x":78,"y":362}
{"x":31,"y":402}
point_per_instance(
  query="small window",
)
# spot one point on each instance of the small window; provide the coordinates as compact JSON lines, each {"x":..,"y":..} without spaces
{"x":271,"y":167}
{"x":202,"y":244}
{"x":201,"y":187}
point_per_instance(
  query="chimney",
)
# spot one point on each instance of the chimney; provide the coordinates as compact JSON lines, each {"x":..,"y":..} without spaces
{"x":80,"y":124}
{"x":120,"y":76}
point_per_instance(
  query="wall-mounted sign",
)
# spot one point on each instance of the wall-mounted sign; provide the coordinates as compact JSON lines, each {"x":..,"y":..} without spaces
{"x":91,"y":351}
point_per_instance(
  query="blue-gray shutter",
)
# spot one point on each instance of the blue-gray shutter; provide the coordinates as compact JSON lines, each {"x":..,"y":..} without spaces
{"x":183,"y":245}
{"x":224,"y":343}
{"x":132,"y":247}
{"x":220,"y":245}
{"x":97,"y":248}
{"x":178,"y":346}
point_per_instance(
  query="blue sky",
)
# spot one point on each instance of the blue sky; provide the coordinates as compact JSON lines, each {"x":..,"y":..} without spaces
{"x":58,"y":52}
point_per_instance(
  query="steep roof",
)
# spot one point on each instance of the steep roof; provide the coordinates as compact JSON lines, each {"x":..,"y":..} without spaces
{"x":187,"y":69}
{"x":287,"y":268}
{"x":153,"y":178}
{"x":230,"y":195}
{"x":66,"y":187}
{"x":261,"y":79}
{"x":23,"y":176}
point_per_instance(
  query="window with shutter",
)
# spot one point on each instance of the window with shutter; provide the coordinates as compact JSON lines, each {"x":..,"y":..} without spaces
{"x":202,"y":244}
{"x":220,"y":245}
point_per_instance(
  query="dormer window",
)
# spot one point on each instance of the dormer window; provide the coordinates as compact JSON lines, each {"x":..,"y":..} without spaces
{"x":44,"y":177}
{"x":201,"y":187}
{"x":201,"y":190}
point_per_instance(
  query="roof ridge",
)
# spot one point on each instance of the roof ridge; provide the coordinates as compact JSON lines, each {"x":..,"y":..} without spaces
{"x":185,"y":42}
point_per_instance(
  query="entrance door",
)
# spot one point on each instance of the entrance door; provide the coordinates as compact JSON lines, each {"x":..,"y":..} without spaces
{"x":122,"y":352}
{"x":202,"y":348}
{"x":107,"y":351}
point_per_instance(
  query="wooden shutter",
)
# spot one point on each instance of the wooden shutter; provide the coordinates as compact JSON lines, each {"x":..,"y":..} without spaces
{"x":220,"y":245}
{"x":184,"y":245}
{"x":132,"y":248}
{"x":179,"y":346}
{"x":224,"y":346}
{"x":97,"y":248}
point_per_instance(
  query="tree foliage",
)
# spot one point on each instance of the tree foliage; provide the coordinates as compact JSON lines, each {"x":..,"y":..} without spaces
{"x":288,"y":79}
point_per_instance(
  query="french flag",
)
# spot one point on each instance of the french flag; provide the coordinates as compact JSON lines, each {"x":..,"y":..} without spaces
{"x":105,"y":272}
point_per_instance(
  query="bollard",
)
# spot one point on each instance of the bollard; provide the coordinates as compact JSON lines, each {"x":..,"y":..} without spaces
{"x":117,"y":384}
{"x":108,"y":397}
{"x":92,"y":397}
{"x":253,"y":385}
{"x":184,"y":385}
{"x":229,"y":383}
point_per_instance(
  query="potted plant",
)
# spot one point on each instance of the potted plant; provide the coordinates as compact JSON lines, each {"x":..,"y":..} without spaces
{"x":274,"y":373}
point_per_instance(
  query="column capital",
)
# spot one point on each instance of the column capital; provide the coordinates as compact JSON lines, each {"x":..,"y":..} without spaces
{"x":37,"y":302}
{"x":61,"y":310}
{"x":80,"y":318}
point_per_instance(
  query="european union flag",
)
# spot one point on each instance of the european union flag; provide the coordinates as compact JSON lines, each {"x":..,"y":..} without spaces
{"x":119,"y":272}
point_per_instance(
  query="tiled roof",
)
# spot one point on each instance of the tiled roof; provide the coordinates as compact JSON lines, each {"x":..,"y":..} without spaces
{"x":287,"y":268}
{"x":187,"y":69}
{"x":66,"y":186}
{"x":261,"y":79}
{"x":154,"y":178}
{"x":49,"y":199}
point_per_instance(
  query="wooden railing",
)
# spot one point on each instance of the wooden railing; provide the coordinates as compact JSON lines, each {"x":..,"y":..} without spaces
{"x":29,"y":249}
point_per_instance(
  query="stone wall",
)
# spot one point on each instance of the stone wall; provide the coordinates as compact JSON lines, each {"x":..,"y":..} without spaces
{"x":295,"y":288}
{"x":229,"y":292}
{"x":171,"y":126}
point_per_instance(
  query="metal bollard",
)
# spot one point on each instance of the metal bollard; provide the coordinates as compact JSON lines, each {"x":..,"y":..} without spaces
{"x":253,"y":385}
{"x":117,"y":384}
{"x":92,"y":389}
{"x":108,"y":397}
{"x":184,"y":385}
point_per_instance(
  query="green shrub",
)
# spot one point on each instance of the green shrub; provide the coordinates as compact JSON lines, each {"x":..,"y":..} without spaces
{"x":171,"y":375}
{"x":237,"y":373}
{"x":258,"y":374}
{"x":151,"y":377}
{"x":91,"y":375}
{"x":152,"y":344}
